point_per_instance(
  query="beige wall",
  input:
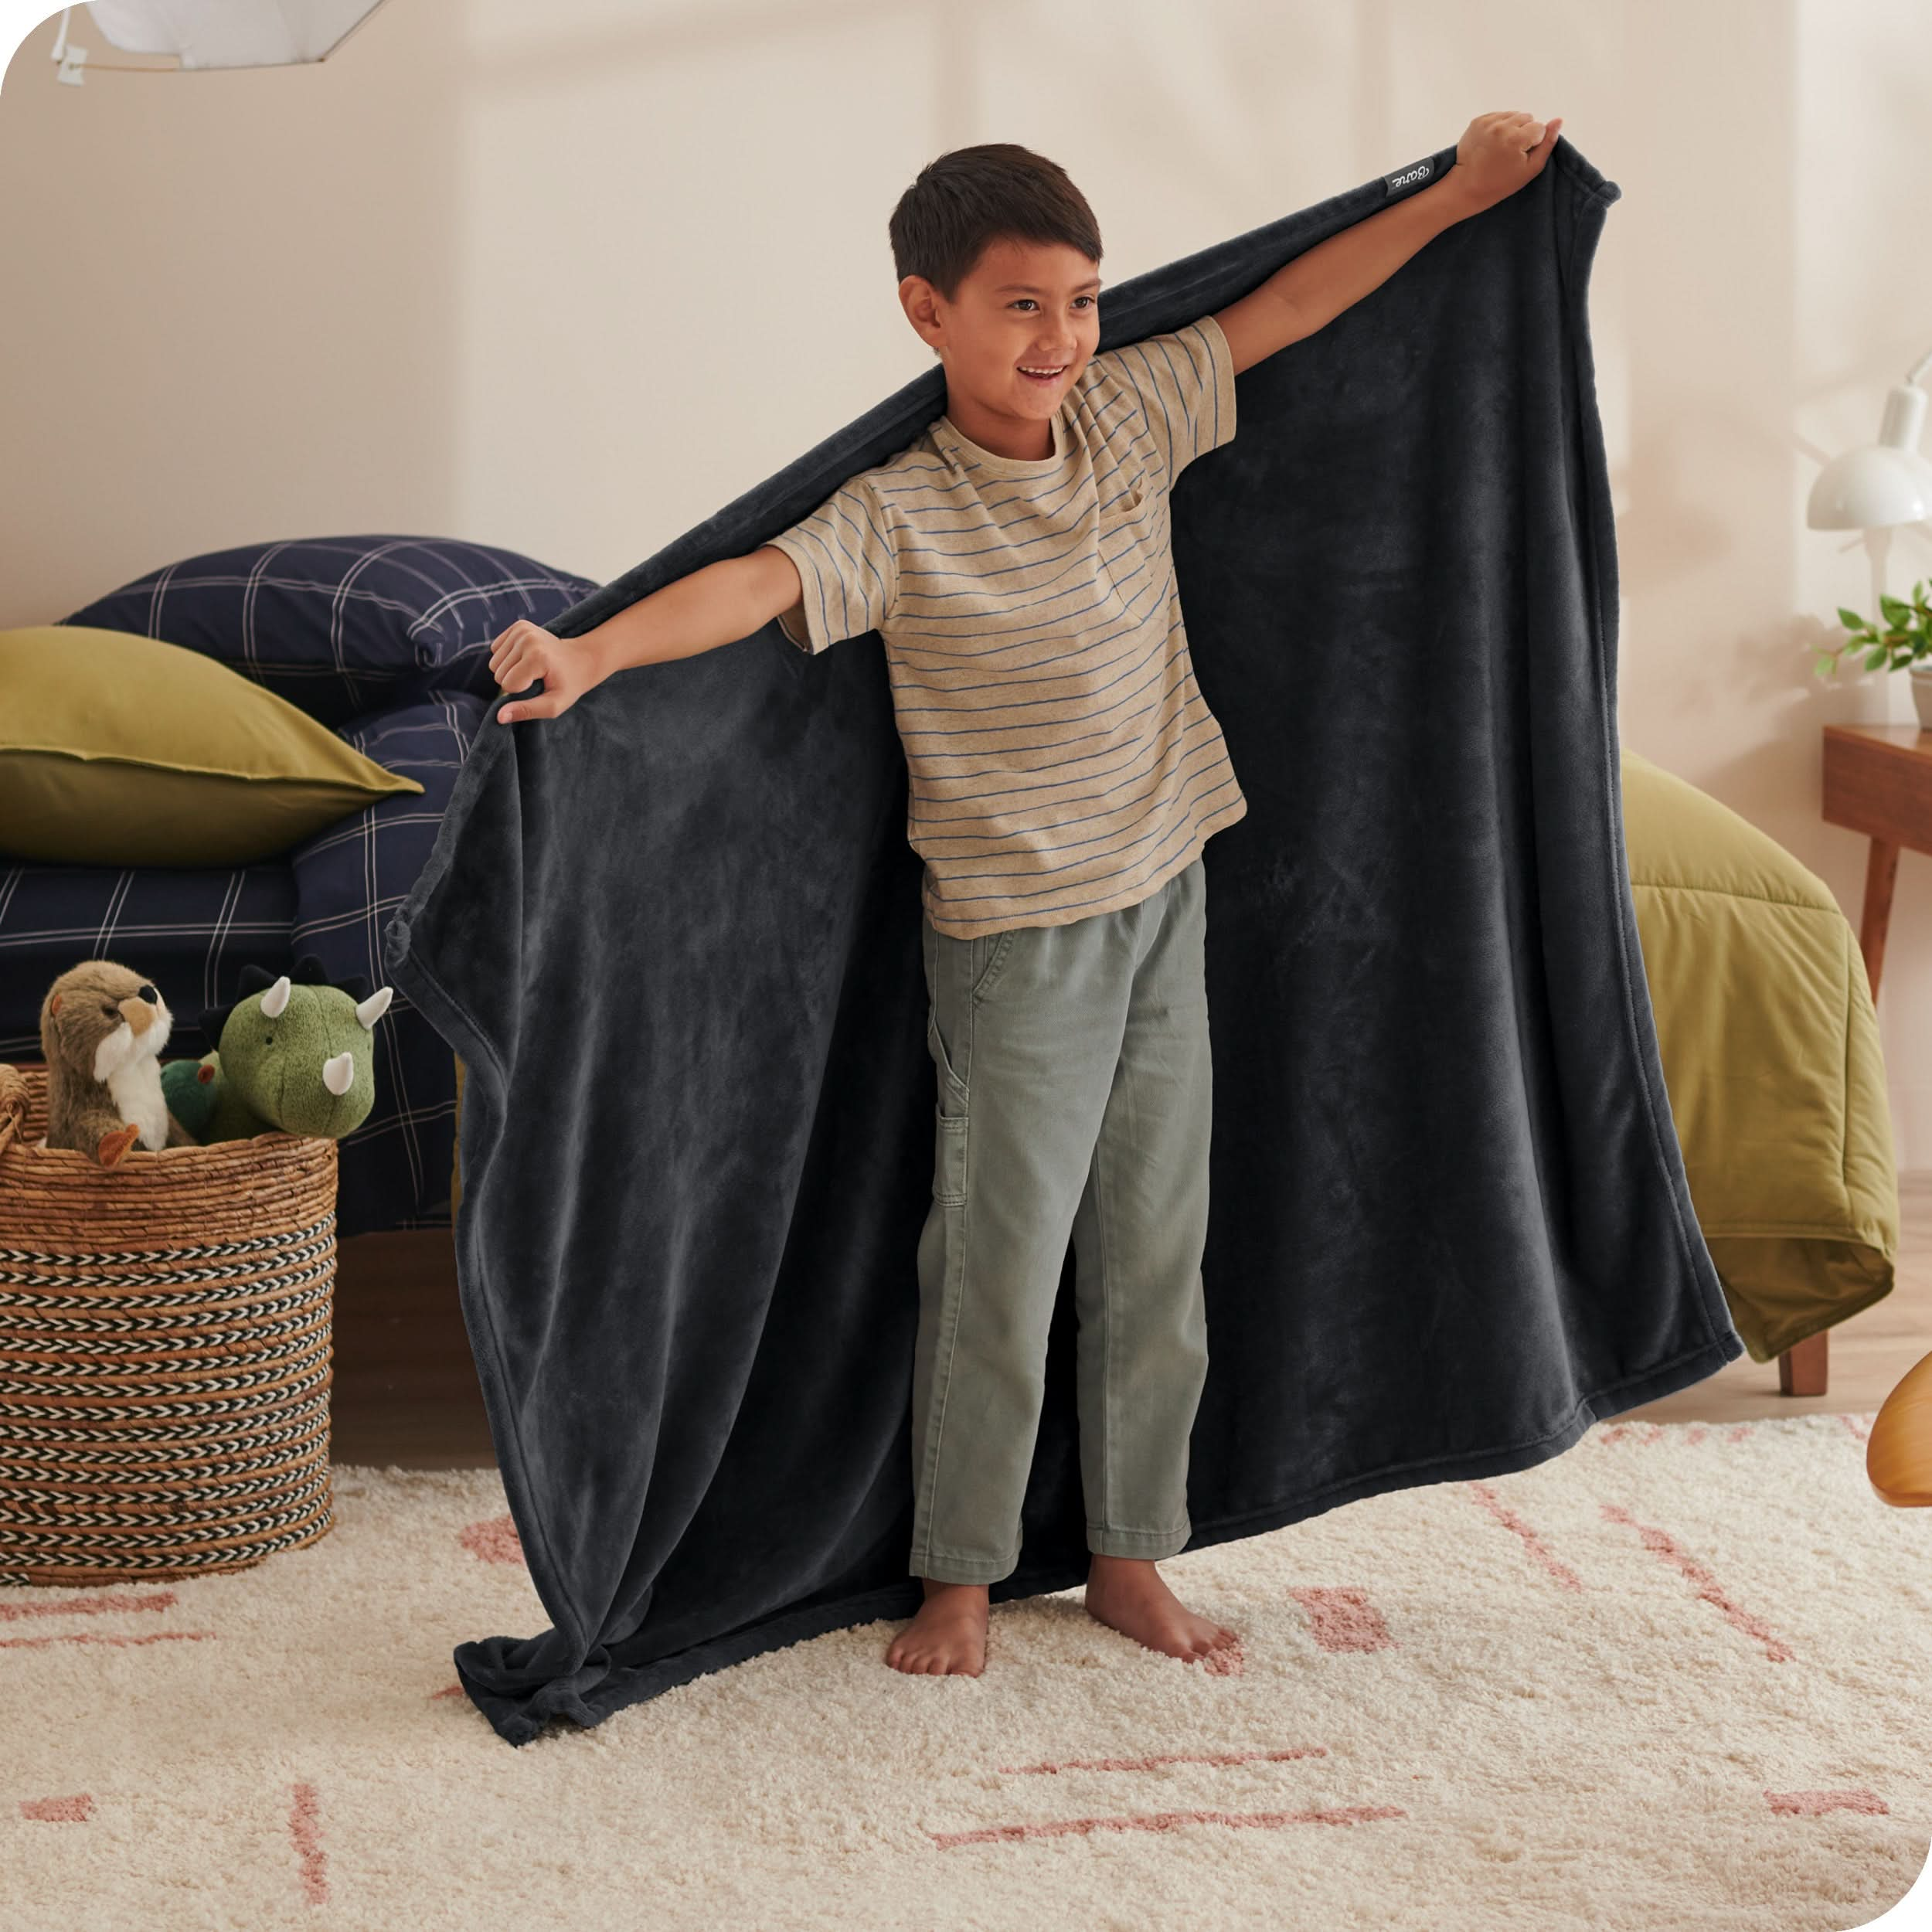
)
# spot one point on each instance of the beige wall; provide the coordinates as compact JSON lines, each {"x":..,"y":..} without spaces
{"x":570,"y":278}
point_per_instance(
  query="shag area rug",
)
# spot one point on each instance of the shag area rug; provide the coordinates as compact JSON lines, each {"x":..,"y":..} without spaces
{"x":1680,"y":1677}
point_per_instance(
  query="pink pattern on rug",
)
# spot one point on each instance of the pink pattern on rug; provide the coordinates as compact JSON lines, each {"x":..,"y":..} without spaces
{"x":1169,"y":1757}
{"x":1511,"y":1522}
{"x":76,"y":1810}
{"x":1616,"y":1432}
{"x":1812,"y":1804}
{"x":105,"y":1637}
{"x":450,"y":1690}
{"x":1167,"y":1821}
{"x":102,"y":1604}
{"x":1225,"y":1660}
{"x":1344,"y":1619}
{"x":304,"y":1827}
{"x":1696,"y":1432}
{"x":1860,"y":1426}
{"x":495,"y":1540}
{"x":1660,"y":1543}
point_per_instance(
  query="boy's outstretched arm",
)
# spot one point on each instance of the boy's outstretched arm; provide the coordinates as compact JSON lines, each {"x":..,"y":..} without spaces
{"x":716,"y":604}
{"x":1498,"y":154}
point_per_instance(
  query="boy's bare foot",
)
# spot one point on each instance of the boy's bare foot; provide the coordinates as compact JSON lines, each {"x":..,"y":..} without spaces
{"x":1129,"y":1594}
{"x":947,"y":1636}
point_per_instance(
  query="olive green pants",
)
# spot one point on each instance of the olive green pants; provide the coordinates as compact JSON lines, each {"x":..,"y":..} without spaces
{"x":1074,"y":1089}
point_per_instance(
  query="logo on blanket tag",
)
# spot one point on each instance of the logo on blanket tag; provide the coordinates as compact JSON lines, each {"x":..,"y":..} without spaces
{"x":1408,"y":177}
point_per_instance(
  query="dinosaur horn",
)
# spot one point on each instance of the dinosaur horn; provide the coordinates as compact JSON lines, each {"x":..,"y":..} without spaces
{"x":338,"y":1073}
{"x":369,"y":1011}
{"x":276,"y":997}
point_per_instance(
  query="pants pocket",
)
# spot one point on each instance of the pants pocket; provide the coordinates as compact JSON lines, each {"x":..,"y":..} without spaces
{"x":953,"y":1091}
{"x":951,"y":1075}
{"x":949,"y":1158}
{"x":995,"y":960}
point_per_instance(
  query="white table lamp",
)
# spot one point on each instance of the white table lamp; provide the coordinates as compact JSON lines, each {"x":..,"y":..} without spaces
{"x":1882,"y":483}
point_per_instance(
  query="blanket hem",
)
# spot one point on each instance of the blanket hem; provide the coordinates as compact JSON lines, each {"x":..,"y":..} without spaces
{"x":514,"y":1721}
{"x":1600,"y":543}
{"x":457,"y":1025}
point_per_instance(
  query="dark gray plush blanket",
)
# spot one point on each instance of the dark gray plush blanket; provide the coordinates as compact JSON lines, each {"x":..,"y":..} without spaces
{"x":674,"y":936}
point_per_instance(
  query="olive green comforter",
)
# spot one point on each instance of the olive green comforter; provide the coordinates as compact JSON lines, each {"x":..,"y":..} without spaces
{"x":1769,"y":1045}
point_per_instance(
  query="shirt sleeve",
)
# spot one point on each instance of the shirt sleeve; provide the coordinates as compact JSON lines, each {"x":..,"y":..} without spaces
{"x":847,"y":563}
{"x":1184,"y":384}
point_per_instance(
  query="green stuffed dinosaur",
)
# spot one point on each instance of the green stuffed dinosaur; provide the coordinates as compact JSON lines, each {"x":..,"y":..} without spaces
{"x":296,"y":1055}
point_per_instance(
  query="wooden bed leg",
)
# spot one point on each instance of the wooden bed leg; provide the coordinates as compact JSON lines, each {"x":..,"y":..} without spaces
{"x":1805,"y":1367}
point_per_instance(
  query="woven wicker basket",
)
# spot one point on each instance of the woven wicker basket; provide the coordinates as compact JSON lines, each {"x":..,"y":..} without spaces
{"x":166,"y":1351}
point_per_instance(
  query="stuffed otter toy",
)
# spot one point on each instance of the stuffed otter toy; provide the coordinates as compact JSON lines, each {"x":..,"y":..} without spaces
{"x":102,"y":1028}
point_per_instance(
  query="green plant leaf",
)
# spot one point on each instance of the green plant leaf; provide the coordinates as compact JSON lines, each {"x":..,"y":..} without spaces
{"x":1850,"y":619}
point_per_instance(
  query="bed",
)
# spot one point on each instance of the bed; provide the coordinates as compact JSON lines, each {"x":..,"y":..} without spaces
{"x":1769,"y":1039}
{"x":385,"y":639}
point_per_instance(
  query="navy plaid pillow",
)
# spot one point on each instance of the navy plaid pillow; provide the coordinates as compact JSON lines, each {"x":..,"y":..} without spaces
{"x":343,"y":625}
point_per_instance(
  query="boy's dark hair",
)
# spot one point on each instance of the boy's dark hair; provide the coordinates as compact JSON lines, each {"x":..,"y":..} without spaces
{"x":975,"y":195}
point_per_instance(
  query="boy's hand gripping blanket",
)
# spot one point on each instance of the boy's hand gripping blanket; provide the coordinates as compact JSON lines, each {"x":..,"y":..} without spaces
{"x":674,"y":936}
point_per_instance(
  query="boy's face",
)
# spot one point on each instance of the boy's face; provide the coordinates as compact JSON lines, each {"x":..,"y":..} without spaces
{"x":1025,"y":306}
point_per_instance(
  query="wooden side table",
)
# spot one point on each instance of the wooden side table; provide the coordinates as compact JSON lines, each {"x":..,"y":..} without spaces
{"x":1878,"y":781}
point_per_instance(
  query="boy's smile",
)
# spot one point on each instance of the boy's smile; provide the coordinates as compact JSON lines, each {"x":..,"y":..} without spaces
{"x":1024,"y":323}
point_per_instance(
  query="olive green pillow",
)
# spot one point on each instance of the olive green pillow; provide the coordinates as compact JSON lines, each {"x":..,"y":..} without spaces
{"x":116,"y":750}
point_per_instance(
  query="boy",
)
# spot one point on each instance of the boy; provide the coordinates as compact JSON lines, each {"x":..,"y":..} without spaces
{"x":1064,"y":774}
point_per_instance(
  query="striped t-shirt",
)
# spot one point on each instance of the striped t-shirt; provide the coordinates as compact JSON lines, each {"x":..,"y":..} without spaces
{"x":1062,"y":761}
